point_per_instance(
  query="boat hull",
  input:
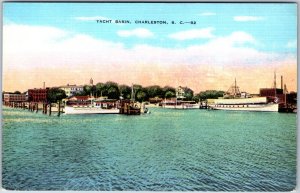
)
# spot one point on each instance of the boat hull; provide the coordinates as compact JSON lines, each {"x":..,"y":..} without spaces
{"x":90,"y":110}
{"x":181,"y":106}
{"x":249,"y":107}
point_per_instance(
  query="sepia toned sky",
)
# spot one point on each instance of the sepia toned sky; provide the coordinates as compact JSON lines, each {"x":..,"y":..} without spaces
{"x":61,"y":43}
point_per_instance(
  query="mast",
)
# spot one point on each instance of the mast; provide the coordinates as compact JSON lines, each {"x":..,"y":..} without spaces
{"x":132,"y":93}
{"x":234,"y":88}
{"x":285,"y":92}
{"x":274,"y":83}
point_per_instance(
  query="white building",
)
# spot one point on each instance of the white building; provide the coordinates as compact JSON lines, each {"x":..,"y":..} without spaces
{"x":71,"y":90}
{"x":180,"y":92}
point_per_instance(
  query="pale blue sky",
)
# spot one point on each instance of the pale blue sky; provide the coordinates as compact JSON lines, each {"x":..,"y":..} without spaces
{"x":274,"y":28}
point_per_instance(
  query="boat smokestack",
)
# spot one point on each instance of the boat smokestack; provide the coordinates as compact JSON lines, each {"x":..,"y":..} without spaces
{"x":285,"y":91}
{"x":281,"y":86}
{"x":274,"y":83}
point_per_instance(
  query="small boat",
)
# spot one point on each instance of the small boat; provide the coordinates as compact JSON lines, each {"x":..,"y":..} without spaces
{"x":179,"y":104}
{"x":130,"y":106}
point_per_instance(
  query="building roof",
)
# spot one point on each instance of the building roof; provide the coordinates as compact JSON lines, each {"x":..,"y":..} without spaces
{"x":78,"y":98}
{"x":71,"y":86}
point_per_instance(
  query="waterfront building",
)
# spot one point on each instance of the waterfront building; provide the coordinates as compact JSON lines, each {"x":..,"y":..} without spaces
{"x":280,"y":96}
{"x":273,"y":94}
{"x":71,"y":90}
{"x":37,"y":94}
{"x":180,"y":92}
{"x":155,"y":100}
{"x":12,"y":97}
{"x":270,"y":91}
{"x":78,"y":100}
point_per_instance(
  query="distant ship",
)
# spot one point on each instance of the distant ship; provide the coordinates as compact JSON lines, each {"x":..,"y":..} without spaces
{"x":179,"y":104}
{"x":234,"y":100}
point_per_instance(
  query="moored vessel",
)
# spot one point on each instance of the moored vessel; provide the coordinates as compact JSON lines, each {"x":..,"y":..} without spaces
{"x":235,"y":100}
{"x":92,"y":106}
{"x":179,"y":101}
{"x":179,"y":104}
{"x":245,"y":104}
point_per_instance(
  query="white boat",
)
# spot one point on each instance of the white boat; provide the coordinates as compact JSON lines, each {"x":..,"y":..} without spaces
{"x":174,"y":104}
{"x":245,"y":104}
{"x":96,"y":107}
{"x":234,"y":100}
{"x":89,"y":110}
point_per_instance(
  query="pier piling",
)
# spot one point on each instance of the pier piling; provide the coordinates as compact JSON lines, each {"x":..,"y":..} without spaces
{"x":58,"y":109}
{"x":49,"y":109}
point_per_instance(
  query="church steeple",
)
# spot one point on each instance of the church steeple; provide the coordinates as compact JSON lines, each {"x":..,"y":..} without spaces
{"x":91,"y":82}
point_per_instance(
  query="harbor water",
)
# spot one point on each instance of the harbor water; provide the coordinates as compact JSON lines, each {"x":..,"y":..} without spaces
{"x":167,"y":150}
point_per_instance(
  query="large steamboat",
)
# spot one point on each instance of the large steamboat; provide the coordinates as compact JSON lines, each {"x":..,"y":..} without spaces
{"x":235,"y":100}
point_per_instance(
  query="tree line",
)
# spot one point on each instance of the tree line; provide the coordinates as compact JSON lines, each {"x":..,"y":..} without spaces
{"x":114,"y":91}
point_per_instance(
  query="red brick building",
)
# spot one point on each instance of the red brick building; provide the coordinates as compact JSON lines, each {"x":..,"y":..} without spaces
{"x":265,"y":92}
{"x":278,"y":96}
{"x":37,"y":95}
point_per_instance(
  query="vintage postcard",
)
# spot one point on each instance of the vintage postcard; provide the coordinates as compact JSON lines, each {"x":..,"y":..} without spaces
{"x":119,"y":96}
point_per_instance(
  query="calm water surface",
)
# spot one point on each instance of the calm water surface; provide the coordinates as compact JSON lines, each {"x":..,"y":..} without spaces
{"x":165,"y":150}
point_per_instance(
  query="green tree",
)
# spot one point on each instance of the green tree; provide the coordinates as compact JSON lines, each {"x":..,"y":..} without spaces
{"x":141,"y":96}
{"x":210,"y":94}
{"x":167,"y":89}
{"x":87,"y":89}
{"x":188,"y":93}
{"x":82,"y":93}
{"x":136,"y":88}
{"x":17,"y":92}
{"x":112,"y":90}
{"x":125,"y":91}
{"x":154,"y":91}
{"x":196,"y":98}
{"x":170,"y":94}
{"x":55,"y":94}
{"x":100,"y":89}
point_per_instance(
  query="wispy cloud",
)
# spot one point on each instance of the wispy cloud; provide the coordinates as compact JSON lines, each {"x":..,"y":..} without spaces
{"x":193,"y":34}
{"x":292,"y":44}
{"x":138,"y":32}
{"x":247,"y":18}
{"x":37,"y":50}
{"x":208,"y":14}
